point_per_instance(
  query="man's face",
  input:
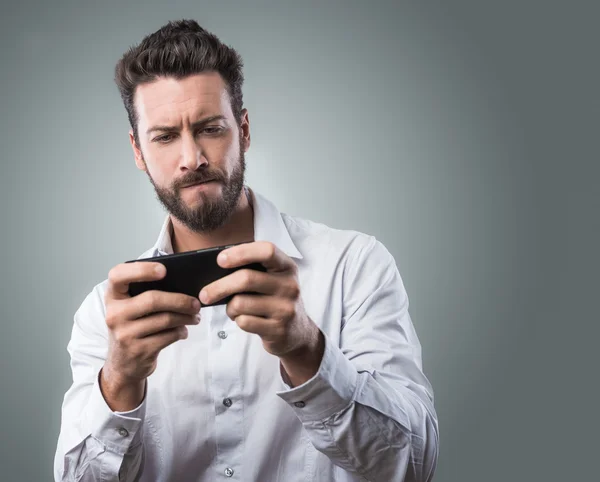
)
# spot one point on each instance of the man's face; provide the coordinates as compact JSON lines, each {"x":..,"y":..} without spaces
{"x":188,"y":135}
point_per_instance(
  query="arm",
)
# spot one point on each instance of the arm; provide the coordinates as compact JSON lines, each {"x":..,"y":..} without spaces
{"x":369,"y":407}
{"x":95,"y":443}
{"x":114,"y":349}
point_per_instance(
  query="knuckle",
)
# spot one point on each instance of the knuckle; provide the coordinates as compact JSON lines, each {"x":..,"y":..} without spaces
{"x":242,"y":321}
{"x":237,"y":304}
{"x":112,"y":274}
{"x":152,"y":301}
{"x":122,"y":337}
{"x":247,"y":276}
{"x":279,"y":329}
{"x":111,"y":321}
{"x":293,"y":290}
{"x":231,"y":311}
{"x":112,"y":316}
{"x":168,"y":320}
{"x":270,"y":250}
{"x":288,"y":311}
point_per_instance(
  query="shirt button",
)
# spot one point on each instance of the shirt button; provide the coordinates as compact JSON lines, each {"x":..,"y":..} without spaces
{"x":123,"y":432}
{"x":300,"y":404}
{"x":227,"y":402}
{"x":229,"y":472}
{"x":222,"y":335}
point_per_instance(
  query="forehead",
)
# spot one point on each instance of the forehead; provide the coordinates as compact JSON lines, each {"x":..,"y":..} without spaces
{"x":167,"y":100}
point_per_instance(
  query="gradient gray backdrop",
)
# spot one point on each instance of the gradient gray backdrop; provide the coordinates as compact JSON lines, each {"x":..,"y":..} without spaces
{"x":462,"y":134}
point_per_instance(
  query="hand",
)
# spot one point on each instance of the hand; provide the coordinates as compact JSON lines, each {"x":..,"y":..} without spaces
{"x":276,"y":312}
{"x":139,"y":328}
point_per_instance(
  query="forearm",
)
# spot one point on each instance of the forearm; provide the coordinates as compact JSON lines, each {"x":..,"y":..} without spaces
{"x":364,"y":424}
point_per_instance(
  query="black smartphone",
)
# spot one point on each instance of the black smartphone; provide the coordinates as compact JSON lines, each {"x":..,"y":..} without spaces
{"x":189,"y":272}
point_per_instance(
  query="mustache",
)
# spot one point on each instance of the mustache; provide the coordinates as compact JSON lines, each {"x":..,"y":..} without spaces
{"x":197,"y":178}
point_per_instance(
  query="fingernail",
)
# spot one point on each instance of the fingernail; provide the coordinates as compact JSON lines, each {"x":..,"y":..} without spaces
{"x":196,"y":304}
{"x":203,"y":296}
{"x":159,"y":268}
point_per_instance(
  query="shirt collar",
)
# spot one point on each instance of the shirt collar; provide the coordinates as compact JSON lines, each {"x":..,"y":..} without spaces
{"x":268,"y":226}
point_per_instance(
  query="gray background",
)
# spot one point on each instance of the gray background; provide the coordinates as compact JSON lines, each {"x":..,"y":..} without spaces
{"x":462,"y":134}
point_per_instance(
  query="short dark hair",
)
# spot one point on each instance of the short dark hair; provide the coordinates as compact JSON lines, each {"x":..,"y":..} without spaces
{"x":178,"y":49}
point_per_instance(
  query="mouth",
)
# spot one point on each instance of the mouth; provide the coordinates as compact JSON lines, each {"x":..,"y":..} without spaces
{"x":199,"y":183}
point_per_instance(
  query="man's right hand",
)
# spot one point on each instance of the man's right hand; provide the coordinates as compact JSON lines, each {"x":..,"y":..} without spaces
{"x":139,"y":328}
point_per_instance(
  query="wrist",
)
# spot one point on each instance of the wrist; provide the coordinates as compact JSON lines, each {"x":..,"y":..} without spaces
{"x":120,"y":394}
{"x":303,"y":363}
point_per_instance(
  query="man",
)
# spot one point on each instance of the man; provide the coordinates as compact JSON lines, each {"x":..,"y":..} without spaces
{"x":315,"y":376}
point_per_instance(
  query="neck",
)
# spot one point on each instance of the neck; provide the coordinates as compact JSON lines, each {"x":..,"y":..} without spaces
{"x":238,"y":229}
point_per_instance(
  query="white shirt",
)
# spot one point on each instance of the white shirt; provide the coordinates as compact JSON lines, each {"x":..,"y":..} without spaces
{"x":217,"y":408}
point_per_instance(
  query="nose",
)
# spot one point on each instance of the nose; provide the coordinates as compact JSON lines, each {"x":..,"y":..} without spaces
{"x":192,"y":157}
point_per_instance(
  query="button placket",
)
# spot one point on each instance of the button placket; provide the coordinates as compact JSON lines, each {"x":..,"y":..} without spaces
{"x":224,"y":360}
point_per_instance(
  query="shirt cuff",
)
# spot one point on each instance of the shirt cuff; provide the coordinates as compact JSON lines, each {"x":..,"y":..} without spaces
{"x":118,"y":431}
{"x":330,"y":391}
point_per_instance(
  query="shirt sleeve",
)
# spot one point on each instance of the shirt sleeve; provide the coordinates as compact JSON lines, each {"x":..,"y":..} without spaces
{"x":95,"y":443}
{"x":369,"y":407}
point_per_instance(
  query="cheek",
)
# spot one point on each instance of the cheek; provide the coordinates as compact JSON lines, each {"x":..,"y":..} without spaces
{"x":162,"y":162}
{"x":233,"y":150}
{"x":223,"y":152}
{"x":161,"y":171}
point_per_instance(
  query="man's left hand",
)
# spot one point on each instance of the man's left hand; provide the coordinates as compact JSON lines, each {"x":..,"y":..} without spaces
{"x":274,"y":311}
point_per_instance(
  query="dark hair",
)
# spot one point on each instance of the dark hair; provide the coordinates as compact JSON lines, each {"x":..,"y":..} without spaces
{"x":178,"y":49}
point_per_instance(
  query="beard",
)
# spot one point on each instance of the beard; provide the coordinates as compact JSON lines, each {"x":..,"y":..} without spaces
{"x":211,"y":213}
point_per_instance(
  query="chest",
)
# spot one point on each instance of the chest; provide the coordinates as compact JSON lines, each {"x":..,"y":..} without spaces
{"x":212,"y":401}
{"x":220,"y":361}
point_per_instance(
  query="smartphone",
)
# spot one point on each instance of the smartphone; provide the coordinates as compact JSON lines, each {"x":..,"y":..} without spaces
{"x":189,"y":272}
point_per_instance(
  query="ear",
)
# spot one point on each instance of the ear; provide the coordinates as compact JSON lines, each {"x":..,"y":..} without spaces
{"x":245,"y":130}
{"x":137,"y":153}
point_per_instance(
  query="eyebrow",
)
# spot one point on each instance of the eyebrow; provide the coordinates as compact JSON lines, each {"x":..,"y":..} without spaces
{"x":194,"y":125}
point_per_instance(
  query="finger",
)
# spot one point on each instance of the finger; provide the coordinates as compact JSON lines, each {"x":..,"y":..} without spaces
{"x":123,"y":274}
{"x":154,"y":301}
{"x":243,"y":280}
{"x":155,"y":343}
{"x":264,"y":252}
{"x":258,"y":325}
{"x":159,"y":322}
{"x":258,"y":305}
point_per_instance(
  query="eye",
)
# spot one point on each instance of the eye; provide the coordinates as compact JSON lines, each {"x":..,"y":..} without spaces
{"x":212,"y":130}
{"x":164,"y":138}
